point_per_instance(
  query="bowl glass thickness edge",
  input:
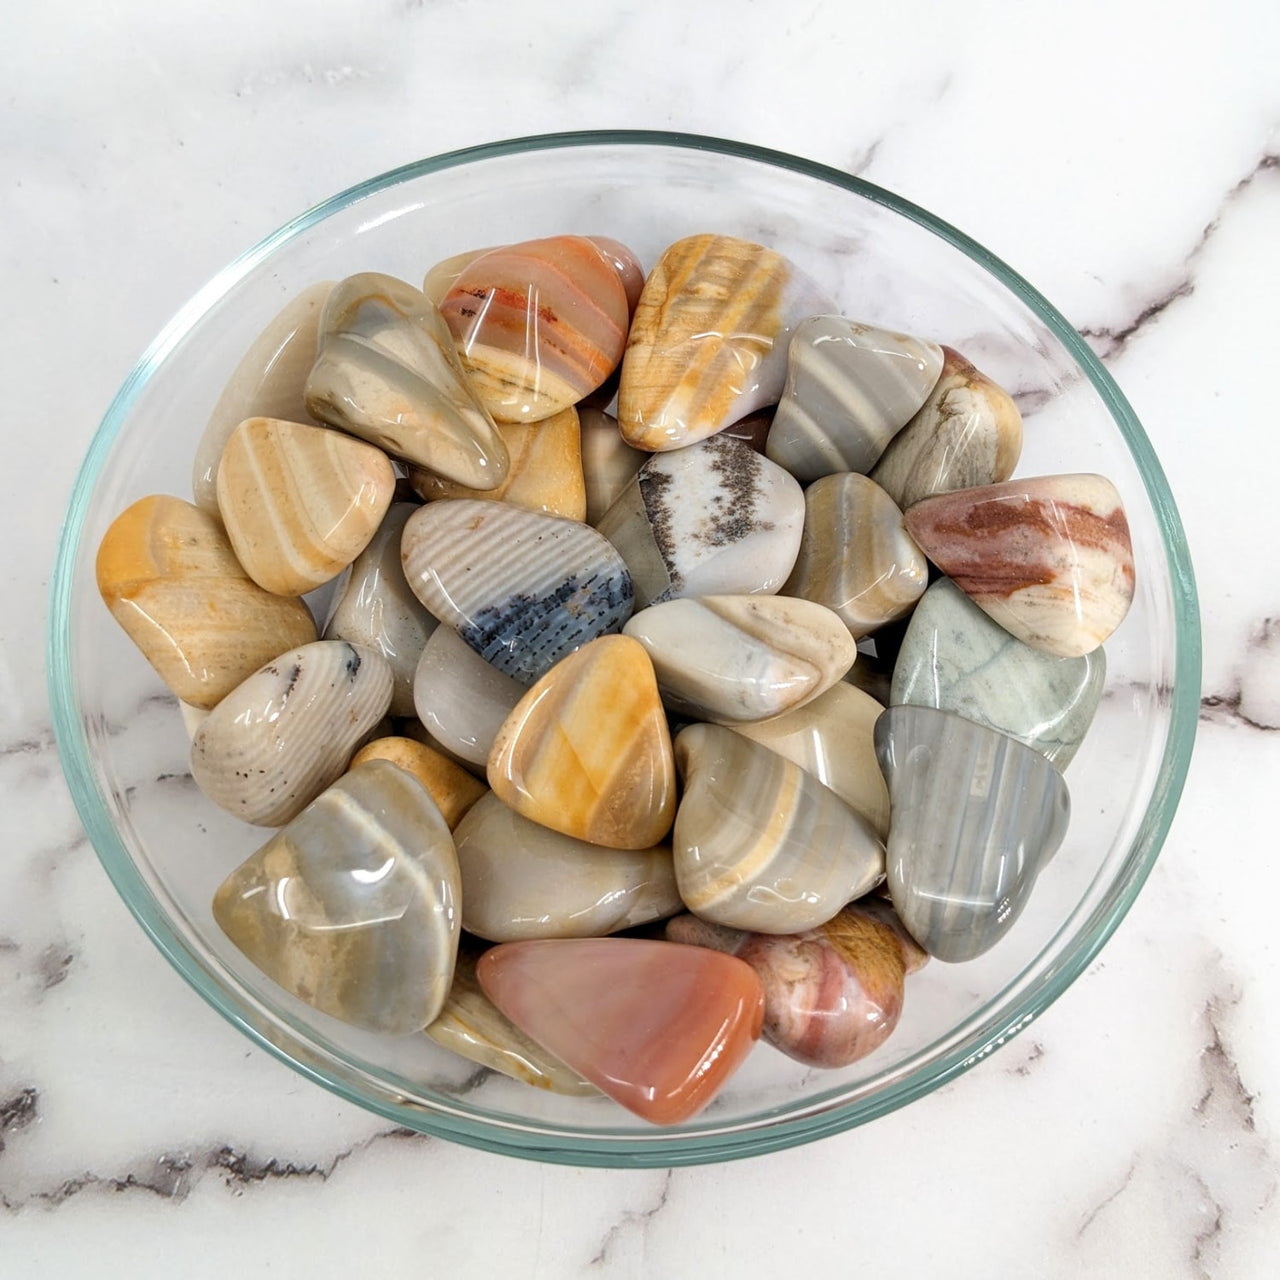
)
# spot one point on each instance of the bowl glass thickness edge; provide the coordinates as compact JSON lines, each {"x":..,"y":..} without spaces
{"x":886,"y":261}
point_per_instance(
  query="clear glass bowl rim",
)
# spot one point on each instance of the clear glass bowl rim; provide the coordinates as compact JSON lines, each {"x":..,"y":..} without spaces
{"x":628,"y":1149}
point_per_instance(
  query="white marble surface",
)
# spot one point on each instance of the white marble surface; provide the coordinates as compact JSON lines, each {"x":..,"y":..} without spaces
{"x":1124,"y":157}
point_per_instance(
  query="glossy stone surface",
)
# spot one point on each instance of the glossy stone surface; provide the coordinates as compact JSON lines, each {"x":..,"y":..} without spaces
{"x":376,"y":608}
{"x":736,"y":658}
{"x":832,"y":994}
{"x":709,"y":338}
{"x":545,"y":469}
{"x":168,"y":574}
{"x":269,"y":382}
{"x":444,"y":274}
{"x":976,"y":817}
{"x":856,"y":556}
{"x":452,"y":788}
{"x":713,"y":519}
{"x":753,"y":430}
{"x":460,"y":698}
{"x":388,"y":372}
{"x":955,"y":658}
{"x":523,"y":880}
{"x":283,"y":735}
{"x":626,"y":264}
{"x":538,"y":325}
{"x":968,"y":432}
{"x":471,"y":1026}
{"x":587,"y":752}
{"x":300,"y":503}
{"x":353,"y":907}
{"x":657,"y":1026}
{"x":1049,"y":557}
{"x":521,"y":588}
{"x":759,"y":844}
{"x":608,"y":461}
{"x":850,"y":387}
{"x":831,"y":738}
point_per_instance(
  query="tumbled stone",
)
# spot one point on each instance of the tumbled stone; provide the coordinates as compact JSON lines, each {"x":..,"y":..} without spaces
{"x":353,"y":907}
{"x":626,"y":264}
{"x":300,"y":503}
{"x":472,"y":1026}
{"x":1049,"y":558}
{"x":538,"y":325}
{"x":976,"y":817}
{"x":521,"y":588}
{"x":376,"y":608}
{"x":587,"y":752}
{"x":452,"y":788}
{"x":955,"y":658}
{"x":753,"y":430}
{"x":608,"y":461}
{"x":168,"y":574}
{"x":850,"y":387}
{"x":741,"y":658}
{"x":713,"y":519}
{"x":709,"y":339}
{"x":831,"y":738}
{"x":283,"y":735}
{"x":524,"y":880}
{"x":832,"y":994}
{"x":856,"y":556}
{"x":759,"y":844}
{"x":657,"y":1026}
{"x":461,"y":699}
{"x":444,"y":275}
{"x":545,"y":472}
{"x":269,"y":382}
{"x":388,"y":372}
{"x":968,"y":432}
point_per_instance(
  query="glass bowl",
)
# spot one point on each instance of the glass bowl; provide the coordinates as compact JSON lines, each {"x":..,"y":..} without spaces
{"x":166,"y":848}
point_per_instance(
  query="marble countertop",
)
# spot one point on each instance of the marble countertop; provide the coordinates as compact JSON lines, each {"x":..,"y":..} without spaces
{"x":1126,"y":159}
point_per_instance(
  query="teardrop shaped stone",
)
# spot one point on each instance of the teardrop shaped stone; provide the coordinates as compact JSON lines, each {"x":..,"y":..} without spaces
{"x":545,"y":469}
{"x":608,"y":461}
{"x":353,"y":907}
{"x":833,"y":994}
{"x":587,"y":752}
{"x":856,"y":556}
{"x":280,"y":738}
{"x":713,"y":519}
{"x":832,"y":738}
{"x":955,"y":658}
{"x":168,"y":574}
{"x":461,"y":699}
{"x":968,"y":432}
{"x":269,"y":382}
{"x":709,"y":338}
{"x":388,"y":373}
{"x":850,"y":388}
{"x":300,"y":503}
{"x":471,"y":1026}
{"x":976,"y":817}
{"x":1049,"y":558}
{"x":736,"y":658}
{"x":761,"y":845}
{"x":658,"y":1027}
{"x":523,"y":880}
{"x":538,"y":325}
{"x":521,"y":588}
{"x":376,"y":608}
{"x":452,"y":788}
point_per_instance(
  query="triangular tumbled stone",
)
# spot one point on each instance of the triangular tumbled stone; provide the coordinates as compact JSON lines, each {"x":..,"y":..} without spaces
{"x":587,"y":752}
{"x":657,"y":1026}
{"x":1049,"y":558}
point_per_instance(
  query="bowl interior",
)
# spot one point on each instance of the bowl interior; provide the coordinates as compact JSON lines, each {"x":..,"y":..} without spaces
{"x":167,"y":848}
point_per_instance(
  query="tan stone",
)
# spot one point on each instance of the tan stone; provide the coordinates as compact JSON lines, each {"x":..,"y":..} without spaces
{"x":452,"y":788}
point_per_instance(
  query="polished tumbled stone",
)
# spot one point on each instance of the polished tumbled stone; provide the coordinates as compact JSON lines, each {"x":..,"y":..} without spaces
{"x":955,"y":658}
{"x":452,"y":788}
{"x":353,"y":907}
{"x":850,"y":388}
{"x":608,"y":461}
{"x":713,"y":519}
{"x":976,"y":817}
